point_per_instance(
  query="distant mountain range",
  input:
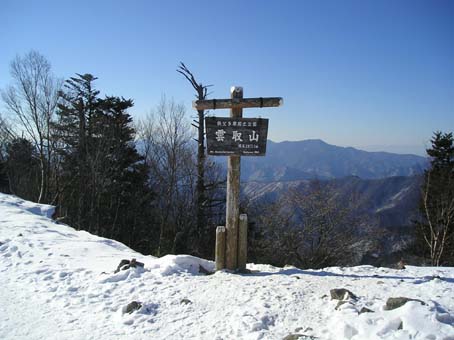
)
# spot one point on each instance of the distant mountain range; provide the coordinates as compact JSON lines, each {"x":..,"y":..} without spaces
{"x":313,"y":158}
{"x":387,"y":184}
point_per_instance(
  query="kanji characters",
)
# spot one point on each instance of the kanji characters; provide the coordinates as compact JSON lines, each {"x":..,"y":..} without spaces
{"x":254,"y":137}
{"x":220,"y":135}
{"x":237,"y":136}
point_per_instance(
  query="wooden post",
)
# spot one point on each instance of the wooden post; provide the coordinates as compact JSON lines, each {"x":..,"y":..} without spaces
{"x":233,"y":194}
{"x":242,"y":242}
{"x":231,"y":137}
{"x":220,"y":248}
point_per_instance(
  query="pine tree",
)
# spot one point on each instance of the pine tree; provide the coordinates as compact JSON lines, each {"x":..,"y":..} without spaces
{"x":105,"y":180}
{"x":436,"y":227}
{"x":76,"y":111}
{"x":23,"y":169}
{"x":126,"y":196}
{"x":442,"y":151}
{"x":4,"y":183}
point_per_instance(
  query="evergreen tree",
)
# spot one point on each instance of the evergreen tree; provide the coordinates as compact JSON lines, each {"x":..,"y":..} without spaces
{"x":74,"y":132}
{"x":126,"y":197}
{"x":23,"y":169}
{"x":4,"y":183}
{"x":436,"y":227}
{"x":442,"y":151}
{"x":105,"y":180}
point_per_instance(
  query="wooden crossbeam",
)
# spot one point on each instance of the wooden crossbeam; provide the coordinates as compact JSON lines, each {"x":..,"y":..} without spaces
{"x":237,"y":103}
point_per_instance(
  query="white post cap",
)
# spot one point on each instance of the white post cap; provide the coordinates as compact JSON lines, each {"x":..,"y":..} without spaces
{"x":236,"y":89}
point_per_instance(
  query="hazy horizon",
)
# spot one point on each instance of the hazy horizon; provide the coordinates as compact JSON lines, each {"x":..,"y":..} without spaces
{"x":418,"y":150}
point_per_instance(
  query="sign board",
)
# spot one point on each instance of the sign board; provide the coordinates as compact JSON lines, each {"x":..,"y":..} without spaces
{"x":236,"y":136}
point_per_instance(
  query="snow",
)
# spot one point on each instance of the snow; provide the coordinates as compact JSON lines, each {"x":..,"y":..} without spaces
{"x":59,"y":283}
{"x":236,"y":89}
{"x":394,"y":200}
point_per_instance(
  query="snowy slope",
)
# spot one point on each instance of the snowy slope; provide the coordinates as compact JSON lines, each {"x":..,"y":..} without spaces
{"x":59,"y":283}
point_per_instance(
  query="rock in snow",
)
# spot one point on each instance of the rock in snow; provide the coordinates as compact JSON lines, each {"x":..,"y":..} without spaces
{"x":299,"y":337}
{"x":50,"y":290}
{"x":185,"y":301}
{"x":342,"y":294}
{"x":126,"y":264}
{"x":393,"y":303}
{"x":132,"y":306}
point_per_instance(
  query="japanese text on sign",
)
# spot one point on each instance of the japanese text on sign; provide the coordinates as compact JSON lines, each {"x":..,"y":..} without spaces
{"x":240,"y":136}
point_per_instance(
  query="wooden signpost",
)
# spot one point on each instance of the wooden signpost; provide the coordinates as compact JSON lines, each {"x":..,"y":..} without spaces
{"x":235,"y":137}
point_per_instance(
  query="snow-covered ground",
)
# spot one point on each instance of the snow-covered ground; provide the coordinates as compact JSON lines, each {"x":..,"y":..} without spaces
{"x":59,"y":283}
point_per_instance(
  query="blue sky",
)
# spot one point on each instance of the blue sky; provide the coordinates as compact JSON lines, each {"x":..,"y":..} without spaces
{"x":373,"y":74}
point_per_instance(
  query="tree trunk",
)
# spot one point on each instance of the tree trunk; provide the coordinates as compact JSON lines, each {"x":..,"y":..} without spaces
{"x":200,"y":178}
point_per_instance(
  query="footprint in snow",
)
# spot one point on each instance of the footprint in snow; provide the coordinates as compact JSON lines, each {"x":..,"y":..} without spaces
{"x":48,"y":277}
{"x":128,"y":322}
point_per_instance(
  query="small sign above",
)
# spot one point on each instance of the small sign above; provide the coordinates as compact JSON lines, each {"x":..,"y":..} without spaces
{"x":236,"y":136}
